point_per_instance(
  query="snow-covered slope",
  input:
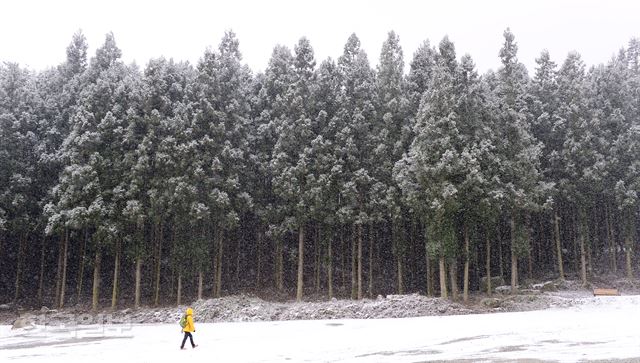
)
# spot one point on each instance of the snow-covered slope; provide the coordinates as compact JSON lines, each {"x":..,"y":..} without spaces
{"x":600,"y":329}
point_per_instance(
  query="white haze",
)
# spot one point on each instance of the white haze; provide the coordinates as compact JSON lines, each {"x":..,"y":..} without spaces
{"x":35,"y":33}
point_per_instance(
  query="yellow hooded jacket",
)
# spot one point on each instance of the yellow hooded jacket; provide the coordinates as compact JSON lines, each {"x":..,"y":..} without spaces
{"x":189,"y":328}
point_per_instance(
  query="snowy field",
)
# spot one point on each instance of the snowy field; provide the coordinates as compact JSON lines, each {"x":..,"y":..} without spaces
{"x":601,"y":329}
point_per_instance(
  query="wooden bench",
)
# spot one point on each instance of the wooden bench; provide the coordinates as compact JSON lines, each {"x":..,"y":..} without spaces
{"x":605,"y":292}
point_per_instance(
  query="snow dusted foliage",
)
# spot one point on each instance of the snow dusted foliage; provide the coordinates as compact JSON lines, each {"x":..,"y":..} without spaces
{"x":19,"y":148}
{"x":418,"y":79}
{"x":203,"y":177}
{"x":519,"y":150}
{"x":392,"y":130}
{"x":452,"y":152}
{"x":580,"y":153}
{"x":291,"y":163}
{"x":546,"y":125}
{"x":438,"y":141}
{"x":296,"y":147}
{"x":356,"y":118}
{"x":284,"y":128}
{"x":90,"y":191}
{"x":218,"y":145}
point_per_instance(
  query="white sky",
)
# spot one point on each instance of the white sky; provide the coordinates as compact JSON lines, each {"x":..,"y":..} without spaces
{"x":35,"y":33}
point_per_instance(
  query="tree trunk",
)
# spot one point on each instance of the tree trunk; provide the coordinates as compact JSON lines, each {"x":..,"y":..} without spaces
{"x":500,"y":255}
{"x":427,"y":264}
{"x":179,"y":294}
{"x":19,"y":267}
{"x":238,"y":245}
{"x":330,"y":267}
{"x":200,"y":277}
{"x":443,"y":278}
{"x":63,"y":285}
{"x":138,"y":278}
{"x":488,"y":266}
{"x":354,"y":275}
{"x":465,"y":289}
{"x":610,"y":240}
{"x":541,"y":245}
{"x":514,"y":258}
{"x":316,"y":260}
{"x":360,"y":261}
{"x":140,"y":239}
{"x":628,"y":243}
{"x":476,"y":265}
{"x":157,"y":255}
{"x":430,"y":279}
{"x":216,"y":264}
{"x":158,"y":237}
{"x":628,"y":248}
{"x":583,"y":261}
{"x":372,"y":241}
{"x":576,"y":230}
{"x":343,"y":259}
{"x":453,"y":274}
{"x":614,"y":245}
{"x":82,"y":263}
{"x":589,"y":260}
{"x":258,"y":257}
{"x":529,"y":253}
{"x":218,"y":285}
{"x":173,"y":265}
{"x":279,"y":268}
{"x":41,"y":279}
{"x":300,"y":286}
{"x":556,"y":223}
{"x":594,"y":247}
{"x":96,"y":281}
{"x":583,"y":252}
{"x":400,"y":273}
{"x":398,"y":254}
{"x":413,"y":254}
{"x":116,"y":274}
{"x":59,"y":269}
{"x":214,"y":260}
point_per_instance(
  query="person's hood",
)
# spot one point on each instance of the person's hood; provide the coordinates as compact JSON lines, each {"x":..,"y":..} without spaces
{"x":189,"y":311}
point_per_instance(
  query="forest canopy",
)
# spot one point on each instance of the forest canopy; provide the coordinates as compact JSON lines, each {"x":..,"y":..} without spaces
{"x":314,"y":178}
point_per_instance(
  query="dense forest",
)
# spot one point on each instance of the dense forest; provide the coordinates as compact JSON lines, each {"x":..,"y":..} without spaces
{"x":128,"y":186}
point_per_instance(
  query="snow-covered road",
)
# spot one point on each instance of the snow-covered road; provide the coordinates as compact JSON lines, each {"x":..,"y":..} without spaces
{"x":603,"y":328}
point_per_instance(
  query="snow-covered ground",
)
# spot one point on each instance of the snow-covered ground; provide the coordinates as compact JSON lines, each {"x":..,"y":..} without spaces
{"x":600,"y":329}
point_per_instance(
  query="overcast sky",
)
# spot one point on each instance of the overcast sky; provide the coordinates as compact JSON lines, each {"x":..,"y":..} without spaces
{"x":35,"y":33}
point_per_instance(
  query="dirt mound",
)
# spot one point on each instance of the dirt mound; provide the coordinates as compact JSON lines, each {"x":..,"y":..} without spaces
{"x":246,"y":307}
{"x":249,"y":308}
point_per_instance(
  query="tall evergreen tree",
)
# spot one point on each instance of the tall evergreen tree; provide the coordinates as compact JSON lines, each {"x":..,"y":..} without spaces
{"x":274,"y":98}
{"x":519,"y":153}
{"x":356,"y":118}
{"x":390,"y":136}
{"x":89,"y":194}
{"x":325,"y":191}
{"x":222,"y":98}
{"x":20,"y":192}
{"x":579,"y":156}
{"x":549,"y":128}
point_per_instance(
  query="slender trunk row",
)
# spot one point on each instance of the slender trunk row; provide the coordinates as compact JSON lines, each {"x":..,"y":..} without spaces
{"x":572,"y":235}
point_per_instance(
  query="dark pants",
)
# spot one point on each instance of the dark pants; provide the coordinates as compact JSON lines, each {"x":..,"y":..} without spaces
{"x":184,"y":340}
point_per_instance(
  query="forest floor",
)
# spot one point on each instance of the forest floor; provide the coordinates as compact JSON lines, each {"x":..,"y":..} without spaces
{"x":247,"y":307}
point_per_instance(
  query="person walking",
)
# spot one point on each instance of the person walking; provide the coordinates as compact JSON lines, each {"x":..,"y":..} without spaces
{"x":188,"y":329}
